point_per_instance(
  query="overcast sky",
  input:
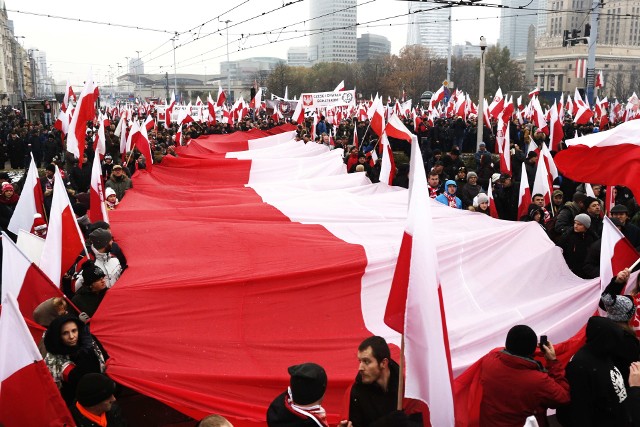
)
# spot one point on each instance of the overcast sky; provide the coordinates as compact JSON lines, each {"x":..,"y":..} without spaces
{"x":73,"y":47}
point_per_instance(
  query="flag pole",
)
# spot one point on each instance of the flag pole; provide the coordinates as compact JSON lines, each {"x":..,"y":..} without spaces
{"x":401,"y":375}
{"x":634,"y":265}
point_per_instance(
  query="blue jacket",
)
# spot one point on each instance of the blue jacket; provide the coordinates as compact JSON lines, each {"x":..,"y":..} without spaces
{"x":442,"y":198}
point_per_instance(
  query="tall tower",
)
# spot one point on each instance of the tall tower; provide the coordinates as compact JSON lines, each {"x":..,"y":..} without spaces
{"x":429,"y":27}
{"x":333,"y":35}
{"x":514,"y":27}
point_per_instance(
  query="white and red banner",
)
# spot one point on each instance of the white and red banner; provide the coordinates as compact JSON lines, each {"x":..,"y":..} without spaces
{"x":31,"y":202}
{"x":616,"y":252}
{"x":581,"y":68}
{"x":611,"y":157}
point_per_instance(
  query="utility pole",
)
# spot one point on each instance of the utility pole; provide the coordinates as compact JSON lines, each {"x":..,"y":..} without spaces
{"x":175,"y":76}
{"x":137,"y":73}
{"x":228,"y":63}
{"x":483,"y":47}
{"x":449,"y":50}
{"x":593,"y":38}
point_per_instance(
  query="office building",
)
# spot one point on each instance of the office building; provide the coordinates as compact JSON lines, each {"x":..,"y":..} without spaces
{"x":429,"y":27}
{"x":514,"y":25}
{"x":372,"y":46}
{"x":333,"y":33}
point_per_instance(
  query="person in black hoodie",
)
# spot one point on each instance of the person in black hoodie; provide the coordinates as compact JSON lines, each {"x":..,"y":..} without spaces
{"x":72,"y":352}
{"x":596,"y":385}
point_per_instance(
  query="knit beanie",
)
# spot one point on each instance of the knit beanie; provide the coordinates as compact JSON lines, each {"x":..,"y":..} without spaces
{"x":470,"y":174}
{"x":94,"y":388}
{"x":620,"y":308}
{"x":100,"y":238}
{"x":521,"y":341}
{"x":583,"y":219}
{"x":308,"y":383}
{"x":483,"y":198}
{"x":91,"y":273}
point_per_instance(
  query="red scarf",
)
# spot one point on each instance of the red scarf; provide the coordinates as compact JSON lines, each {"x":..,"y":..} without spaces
{"x":315,"y":412}
{"x":452,"y":200}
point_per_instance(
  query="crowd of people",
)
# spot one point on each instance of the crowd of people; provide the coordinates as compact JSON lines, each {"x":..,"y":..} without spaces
{"x":601,"y":384}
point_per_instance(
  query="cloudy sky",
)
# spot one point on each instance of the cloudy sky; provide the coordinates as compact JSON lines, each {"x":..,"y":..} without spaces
{"x":80,"y":42}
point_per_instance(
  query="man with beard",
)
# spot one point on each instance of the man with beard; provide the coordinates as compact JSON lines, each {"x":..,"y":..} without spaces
{"x":373,"y":398}
{"x":72,"y":352}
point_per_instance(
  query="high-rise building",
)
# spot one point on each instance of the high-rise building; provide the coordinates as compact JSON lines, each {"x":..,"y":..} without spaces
{"x":514,"y":26}
{"x":466,"y":50}
{"x":614,"y":29}
{"x":372,"y":46}
{"x":541,"y":24}
{"x":333,"y":33}
{"x":136,"y":66}
{"x":298,"y":56}
{"x":429,"y":26}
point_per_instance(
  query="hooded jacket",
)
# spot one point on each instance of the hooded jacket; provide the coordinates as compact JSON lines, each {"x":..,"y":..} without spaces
{"x":278,"y":415}
{"x":68,"y":364}
{"x":596,"y":384}
{"x":442,"y":198}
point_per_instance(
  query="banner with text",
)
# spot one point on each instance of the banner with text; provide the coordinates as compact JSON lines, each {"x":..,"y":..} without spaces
{"x":328,"y":99}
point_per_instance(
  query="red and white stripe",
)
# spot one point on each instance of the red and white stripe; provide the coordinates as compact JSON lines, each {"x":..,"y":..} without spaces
{"x":581,"y":68}
{"x":319,"y":247}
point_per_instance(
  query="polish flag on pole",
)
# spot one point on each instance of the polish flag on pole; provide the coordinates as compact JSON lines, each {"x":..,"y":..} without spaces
{"x":22,"y":278}
{"x":396,"y":129}
{"x":85,"y":110}
{"x":222,"y":97}
{"x":64,"y":239}
{"x":541,"y":183}
{"x":388,"y":166}
{"x":556,"y":133}
{"x":611,"y":198}
{"x":583,"y":115}
{"x":31,"y":202}
{"x":611,"y":157}
{"x":376,"y":116}
{"x":534,"y":92}
{"x":340,"y":87}
{"x":63,"y":120}
{"x":101,"y":147}
{"x":149,"y":123}
{"x":141,"y":140}
{"x":298,"y":113}
{"x":169,"y":110}
{"x":437,"y":97}
{"x":69,"y":96}
{"x":256,"y":102}
{"x":98,"y":210}
{"x":599,"y":79}
{"x":524,"y":196}
{"x":28,"y":395}
{"x":356,"y":143}
{"x":550,"y":164}
{"x":178,"y":140}
{"x":415,"y":306}
{"x":616,"y":252}
{"x":211,"y":109}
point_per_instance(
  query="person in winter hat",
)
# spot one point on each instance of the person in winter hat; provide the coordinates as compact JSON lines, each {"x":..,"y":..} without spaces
{"x":621,"y":309}
{"x":449,"y":196}
{"x":301,"y":404}
{"x":516,"y":386}
{"x":111,"y":200}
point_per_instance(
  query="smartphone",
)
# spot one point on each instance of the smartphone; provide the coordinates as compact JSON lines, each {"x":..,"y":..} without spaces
{"x":543,"y":341}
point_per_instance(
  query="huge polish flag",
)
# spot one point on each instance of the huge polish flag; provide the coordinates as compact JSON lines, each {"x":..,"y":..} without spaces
{"x":415,"y":307}
{"x":616,"y":252}
{"x":28,"y":395}
{"x":293,"y":251}
{"x":85,"y":111}
{"x":98,"y":210}
{"x":611,"y":157}
{"x":31,"y":202}
{"x":64,"y":242}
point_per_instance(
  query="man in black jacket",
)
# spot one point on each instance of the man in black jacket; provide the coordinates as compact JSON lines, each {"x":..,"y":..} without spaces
{"x":597,"y":387}
{"x":373,"y":398}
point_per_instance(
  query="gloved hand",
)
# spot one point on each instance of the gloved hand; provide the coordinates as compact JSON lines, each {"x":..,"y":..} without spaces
{"x":84,"y":317}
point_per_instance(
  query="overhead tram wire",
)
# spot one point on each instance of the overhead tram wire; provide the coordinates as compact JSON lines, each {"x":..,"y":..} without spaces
{"x":272,"y":31}
{"x":214,"y":18}
{"x":89,"y":21}
{"x":231,"y":26}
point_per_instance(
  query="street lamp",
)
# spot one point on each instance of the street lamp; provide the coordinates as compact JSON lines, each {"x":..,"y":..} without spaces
{"x":138,"y":73}
{"x":483,"y":47}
